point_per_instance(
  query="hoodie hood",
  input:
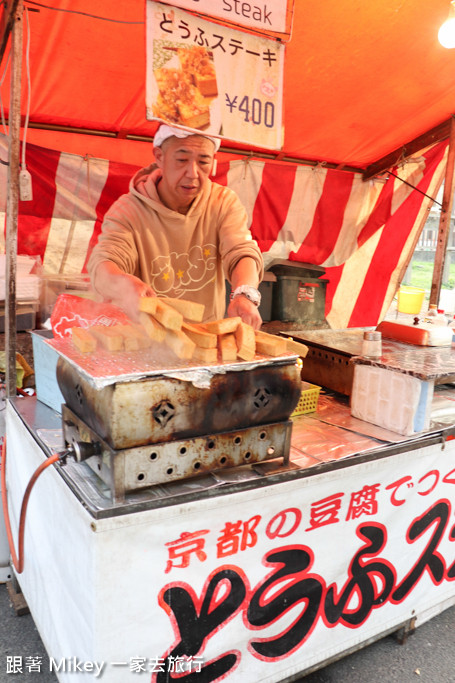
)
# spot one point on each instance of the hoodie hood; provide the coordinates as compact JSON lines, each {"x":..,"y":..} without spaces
{"x":143,"y":186}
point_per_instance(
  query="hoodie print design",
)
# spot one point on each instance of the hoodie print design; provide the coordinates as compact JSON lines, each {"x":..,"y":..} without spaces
{"x":186,"y":272}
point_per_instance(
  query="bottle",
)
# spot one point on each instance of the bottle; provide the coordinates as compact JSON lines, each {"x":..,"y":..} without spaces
{"x":431,"y":314}
{"x":452,"y":327}
{"x":440,"y":318}
{"x":372,"y":345}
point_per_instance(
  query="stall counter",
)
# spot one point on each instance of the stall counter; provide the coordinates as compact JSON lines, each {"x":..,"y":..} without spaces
{"x":262,"y":572}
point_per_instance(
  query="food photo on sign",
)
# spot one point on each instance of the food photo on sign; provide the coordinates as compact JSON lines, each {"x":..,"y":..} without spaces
{"x":213,"y":79}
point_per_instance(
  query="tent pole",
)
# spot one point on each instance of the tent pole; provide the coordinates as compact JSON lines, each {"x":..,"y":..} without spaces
{"x":12,"y":201}
{"x":444,"y":221}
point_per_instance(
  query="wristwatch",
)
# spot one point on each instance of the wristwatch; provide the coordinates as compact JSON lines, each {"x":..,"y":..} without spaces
{"x":251,"y":293}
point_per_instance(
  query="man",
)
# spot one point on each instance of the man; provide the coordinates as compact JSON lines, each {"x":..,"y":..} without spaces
{"x":178,"y":234}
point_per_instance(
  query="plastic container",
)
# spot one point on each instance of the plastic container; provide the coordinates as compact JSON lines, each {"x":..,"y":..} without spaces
{"x":25,"y":316}
{"x":431,"y":314}
{"x":410,"y":299}
{"x":308,"y":401}
{"x":452,"y":327}
{"x":266,"y":291}
{"x":299,"y":299}
{"x":441,"y":318}
{"x":299,"y":292}
{"x":298,"y":268}
{"x":432,"y":311}
{"x":393,"y":400}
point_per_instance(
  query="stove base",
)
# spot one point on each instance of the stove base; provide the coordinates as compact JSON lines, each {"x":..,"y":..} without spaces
{"x":136,"y":468}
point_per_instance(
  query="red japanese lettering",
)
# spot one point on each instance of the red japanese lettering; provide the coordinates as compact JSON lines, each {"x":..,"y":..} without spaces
{"x":240,"y":535}
{"x":284,"y":523}
{"x":183,"y":547}
{"x":363,"y":502}
{"x":325,"y":511}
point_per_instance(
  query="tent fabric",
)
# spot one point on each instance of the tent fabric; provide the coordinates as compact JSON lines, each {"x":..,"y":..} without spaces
{"x":362,"y":233}
{"x":361,"y":78}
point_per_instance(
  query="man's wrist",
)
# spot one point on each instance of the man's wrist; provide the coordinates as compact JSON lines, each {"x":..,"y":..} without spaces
{"x":251,"y":293}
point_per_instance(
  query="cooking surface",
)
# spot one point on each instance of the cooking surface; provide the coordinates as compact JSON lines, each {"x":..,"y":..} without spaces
{"x":102,"y":368}
{"x":424,"y":362}
{"x":319,"y":439}
{"x":347,"y":341}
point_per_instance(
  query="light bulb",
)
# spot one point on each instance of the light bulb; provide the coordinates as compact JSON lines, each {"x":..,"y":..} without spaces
{"x":446,"y":34}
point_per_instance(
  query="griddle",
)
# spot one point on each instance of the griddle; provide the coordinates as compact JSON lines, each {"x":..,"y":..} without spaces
{"x":333,"y":354}
{"x":139,"y":418}
{"x":328,"y":362}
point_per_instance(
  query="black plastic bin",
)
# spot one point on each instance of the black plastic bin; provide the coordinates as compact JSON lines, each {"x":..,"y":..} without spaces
{"x":299,"y":299}
{"x":299,"y":292}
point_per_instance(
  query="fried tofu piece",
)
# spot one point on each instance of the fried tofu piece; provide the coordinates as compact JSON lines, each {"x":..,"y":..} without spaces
{"x":203,"y":355}
{"x":269,"y":344}
{"x":179,"y":94}
{"x":133,"y":338}
{"x":180,"y":344}
{"x":108,"y":337}
{"x":190,"y":310}
{"x":83,"y":340}
{"x":222,"y":326}
{"x":194,"y":115}
{"x":227,"y":347}
{"x":246,"y":341}
{"x":197,"y":334}
{"x":168,"y":316}
{"x":197,"y":61}
{"x":206,"y":85}
{"x":153,"y":329}
{"x":148,"y":304}
{"x":296,"y":347}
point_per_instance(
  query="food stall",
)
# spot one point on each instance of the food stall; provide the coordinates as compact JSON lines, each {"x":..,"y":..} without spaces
{"x":321,"y":544}
{"x":265,"y":544}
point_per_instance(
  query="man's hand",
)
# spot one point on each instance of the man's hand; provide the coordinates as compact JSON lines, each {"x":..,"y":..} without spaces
{"x":121,"y":289}
{"x":245,"y":273}
{"x":128,"y":294}
{"x":248,"y":312}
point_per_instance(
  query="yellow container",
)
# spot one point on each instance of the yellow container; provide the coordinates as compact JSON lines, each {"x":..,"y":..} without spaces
{"x":308,"y":401}
{"x":410,"y":299}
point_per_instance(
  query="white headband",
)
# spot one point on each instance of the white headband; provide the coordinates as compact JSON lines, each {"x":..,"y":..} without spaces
{"x":164,"y":132}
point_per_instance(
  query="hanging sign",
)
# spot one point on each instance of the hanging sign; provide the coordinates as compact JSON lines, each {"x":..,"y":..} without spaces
{"x":214,"y":79}
{"x":261,"y":16}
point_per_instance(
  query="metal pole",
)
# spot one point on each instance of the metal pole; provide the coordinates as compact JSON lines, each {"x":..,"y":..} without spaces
{"x":12,"y":201}
{"x":444,"y":221}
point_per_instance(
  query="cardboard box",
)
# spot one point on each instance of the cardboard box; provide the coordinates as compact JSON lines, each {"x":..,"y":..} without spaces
{"x":45,"y":362}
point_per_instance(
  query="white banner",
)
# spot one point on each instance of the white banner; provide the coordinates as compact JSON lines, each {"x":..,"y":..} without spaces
{"x":262,"y":16}
{"x":288,"y":576}
{"x":256,"y":585}
{"x":211,"y":78}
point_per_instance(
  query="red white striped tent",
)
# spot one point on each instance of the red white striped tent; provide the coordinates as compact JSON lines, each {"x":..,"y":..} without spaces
{"x":368,"y":91}
{"x":361,"y":232}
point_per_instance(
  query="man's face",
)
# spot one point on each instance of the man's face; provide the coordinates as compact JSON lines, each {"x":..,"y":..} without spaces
{"x":186,"y":164}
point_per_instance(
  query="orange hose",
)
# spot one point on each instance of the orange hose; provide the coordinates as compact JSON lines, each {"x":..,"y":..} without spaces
{"x":18,"y":560}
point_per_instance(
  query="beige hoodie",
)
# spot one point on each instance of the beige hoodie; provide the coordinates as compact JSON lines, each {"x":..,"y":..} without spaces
{"x":183,"y":256}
